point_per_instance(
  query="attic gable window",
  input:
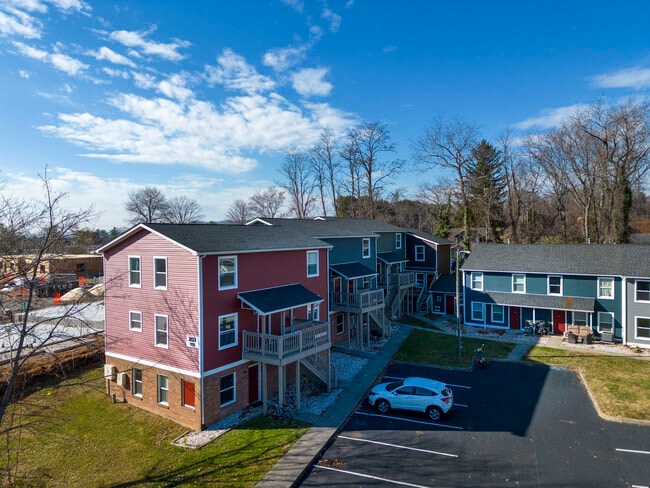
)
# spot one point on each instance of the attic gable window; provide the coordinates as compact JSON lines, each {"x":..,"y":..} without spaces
{"x":134,"y":271}
{"x":365,"y":248}
{"x":419,"y":253}
{"x":227,"y":272}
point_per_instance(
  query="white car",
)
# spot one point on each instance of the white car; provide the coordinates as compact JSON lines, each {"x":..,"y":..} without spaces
{"x":419,"y":394}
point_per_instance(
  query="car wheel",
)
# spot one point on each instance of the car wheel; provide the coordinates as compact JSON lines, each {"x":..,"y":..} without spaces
{"x":383,"y":406}
{"x":434,"y":413}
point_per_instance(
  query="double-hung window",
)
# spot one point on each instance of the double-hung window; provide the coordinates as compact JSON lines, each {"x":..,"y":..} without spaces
{"x":137,"y":382}
{"x":477,"y":280}
{"x":134,"y":271}
{"x":398,"y":241}
{"x":365,"y":247}
{"x":555,"y":285}
{"x":227,"y":389}
{"x":227,"y":331}
{"x":419,"y":253}
{"x":160,"y":273}
{"x":497,"y":314}
{"x":478,"y":310}
{"x":162,"y":330}
{"x":163,"y":389}
{"x":312,"y":263}
{"x":606,"y":288}
{"x":579,"y":318}
{"x":605,"y":322}
{"x":518,"y":283}
{"x":135,"y":321}
{"x":227,"y":272}
{"x":642,"y":328}
{"x":642,"y":291}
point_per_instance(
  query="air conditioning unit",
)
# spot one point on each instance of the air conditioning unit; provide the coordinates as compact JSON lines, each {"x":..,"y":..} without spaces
{"x":110,"y":371}
{"x":121,"y":379}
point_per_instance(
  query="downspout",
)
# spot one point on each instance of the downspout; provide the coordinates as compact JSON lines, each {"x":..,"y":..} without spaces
{"x":200,"y":290}
{"x":624,"y":311}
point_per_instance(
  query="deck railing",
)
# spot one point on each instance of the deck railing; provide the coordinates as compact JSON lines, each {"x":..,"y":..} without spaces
{"x":402,"y":279}
{"x":359,"y":301}
{"x":294,"y":343}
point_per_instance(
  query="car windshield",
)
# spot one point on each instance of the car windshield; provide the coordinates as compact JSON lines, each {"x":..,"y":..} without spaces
{"x":392,"y":386}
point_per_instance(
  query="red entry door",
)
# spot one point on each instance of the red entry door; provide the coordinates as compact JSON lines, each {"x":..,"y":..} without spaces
{"x":559,"y":321}
{"x":515,"y":318}
{"x":450,"y":305}
{"x":253,"y":383}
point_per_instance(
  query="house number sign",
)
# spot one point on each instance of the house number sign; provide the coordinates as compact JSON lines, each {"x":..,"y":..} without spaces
{"x":192,"y":341}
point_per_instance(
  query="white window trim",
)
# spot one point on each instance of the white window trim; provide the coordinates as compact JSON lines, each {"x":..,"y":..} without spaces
{"x":155,"y":273}
{"x":398,"y":240}
{"x":477,"y":273}
{"x":636,"y":328}
{"x":310,"y":311}
{"x":548,"y":285}
{"x":513,"y":283}
{"x":141,"y":383}
{"x":136,"y":285}
{"x":613,"y":286}
{"x":232,"y":344}
{"x":611,"y":314}
{"x":573,"y":317}
{"x":503,"y":314}
{"x":159,"y":389}
{"x":234,"y":285}
{"x":635,"y":291}
{"x":234,"y":388}
{"x":364,"y":254}
{"x":155,"y":331}
{"x":482,"y":319}
{"x":130,"y":321}
{"x":312,"y":253}
{"x":424,"y":256}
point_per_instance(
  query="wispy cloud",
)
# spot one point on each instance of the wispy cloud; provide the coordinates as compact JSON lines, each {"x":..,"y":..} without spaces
{"x":636,"y":78}
{"x":549,"y":117}
{"x":297,"y":5}
{"x":138,"y":41}
{"x":235,"y":73}
{"x":281,"y":59}
{"x":310,"y":81}
{"x":17,"y":17}
{"x":333,"y":18}
{"x":106,"y":54}
{"x":61,"y":62}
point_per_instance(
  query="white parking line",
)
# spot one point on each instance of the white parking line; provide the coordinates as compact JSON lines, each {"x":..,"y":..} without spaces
{"x":640,"y":486}
{"x":633,"y":451}
{"x":461,"y":405}
{"x":448,"y":384}
{"x":408,"y":420}
{"x":395,"y":482}
{"x":398,"y":446}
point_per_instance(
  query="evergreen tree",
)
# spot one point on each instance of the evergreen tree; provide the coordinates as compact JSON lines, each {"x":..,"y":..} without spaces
{"x":486,"y":188}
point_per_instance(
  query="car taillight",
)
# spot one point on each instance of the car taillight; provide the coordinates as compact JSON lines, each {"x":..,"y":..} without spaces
{"x":446,"y":399}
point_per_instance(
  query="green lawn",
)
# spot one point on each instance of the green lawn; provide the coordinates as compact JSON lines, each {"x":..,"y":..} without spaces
{"x":621,"y":385}
{"x":82,"y":439}
{"x":418,"y":323}
{"x":442,"y":349}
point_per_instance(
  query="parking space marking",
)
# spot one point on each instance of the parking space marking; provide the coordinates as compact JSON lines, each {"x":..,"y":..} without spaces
{"x":398,"y":446}
{"x":448,"y":384}
{"x":408,"y":420}
{"x":361,"y":475}
{"x":461,"y":405}
{"x":633,"y":451}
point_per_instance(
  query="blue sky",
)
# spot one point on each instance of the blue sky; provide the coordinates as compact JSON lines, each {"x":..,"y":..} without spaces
{"x":203,"y":98}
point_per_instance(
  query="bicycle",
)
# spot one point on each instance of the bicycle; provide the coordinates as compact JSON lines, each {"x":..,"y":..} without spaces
{"x":279,"y":412}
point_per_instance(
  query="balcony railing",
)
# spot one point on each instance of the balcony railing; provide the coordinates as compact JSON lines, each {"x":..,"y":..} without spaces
{"x":367,"y":300}
{"x":308,"y":340}
{"x":401,"y":279}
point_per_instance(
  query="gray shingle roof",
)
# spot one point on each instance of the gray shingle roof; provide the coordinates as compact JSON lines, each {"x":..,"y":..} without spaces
{"x":445,"y":284}
{"x":273,"y":300}
{"x":428,"y":237}
{"x":352,"y":270}
{"x":335,"y":227}
{"x":390,"y":257}
{"x":580,"y":304}
{"x":583,"y":259}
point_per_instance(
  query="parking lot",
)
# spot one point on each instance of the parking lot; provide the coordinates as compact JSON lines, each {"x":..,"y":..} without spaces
{"x":512,"y":424}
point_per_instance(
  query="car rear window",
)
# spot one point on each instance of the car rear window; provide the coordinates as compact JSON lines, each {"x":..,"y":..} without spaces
{"x":446,"y":391}
{"x":392,"y":386}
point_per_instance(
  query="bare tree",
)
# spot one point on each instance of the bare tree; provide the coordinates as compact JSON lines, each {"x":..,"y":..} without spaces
{"x":326,"y":167}
{"x":448,"y":146}
{"x":267,"y":203}
{"x":239,"y":212}
{"x":182,"y":210}
{"x":147,"y":205}
{"x":299,"y":182}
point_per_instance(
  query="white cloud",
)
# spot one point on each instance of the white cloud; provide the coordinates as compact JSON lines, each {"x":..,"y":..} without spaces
{"x":549,"y":118}
{"x":105,"y":53}
{"x":636,"y":78}
{"x":235,"y":73}
{"x":62,"y":62}
{"x":333,"y":18}
{"x":297,"y":5}
{"x":282,"y":58}
{"x":137,"y":40}
{"x":144,"y":80}
{"x":17,"y":19}
{"x":174,"y":87}
{"x":24,"y":74}
{"x":310,"y":81}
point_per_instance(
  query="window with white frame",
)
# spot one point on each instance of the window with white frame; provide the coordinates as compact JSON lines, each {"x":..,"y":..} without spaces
{"x":313,"y":311}
{"x":136,"y":387}
{"x":312,"y":263}
{"x":498,"y":315}
{"x":555,"y":285}
{"x":642,"y":328}
{"x":227,"y":331}
{"x":605,"y":322}
{"x":227,"y":272}
{"x":642,"y":291}
{"x":163,"y":389}
{"x":227,"y":389}
{"x":160,"y":273}
{"x":478,"y":310}
{"x":398,"y":241}
{"x":135,"y":321}
{"x":419,"y":253}
{"x":477,"y":280}
{"x":580,"y":318}
{"x":518,"y":283}
{"x":162,"y":330}
{"x":606,"y":288}
{"x":365,"y":247}
{"x":134,"y":271}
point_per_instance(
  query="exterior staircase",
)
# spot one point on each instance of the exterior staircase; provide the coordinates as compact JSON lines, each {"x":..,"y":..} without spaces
{"x":381,"y":322}
{"x":320,"y":369}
